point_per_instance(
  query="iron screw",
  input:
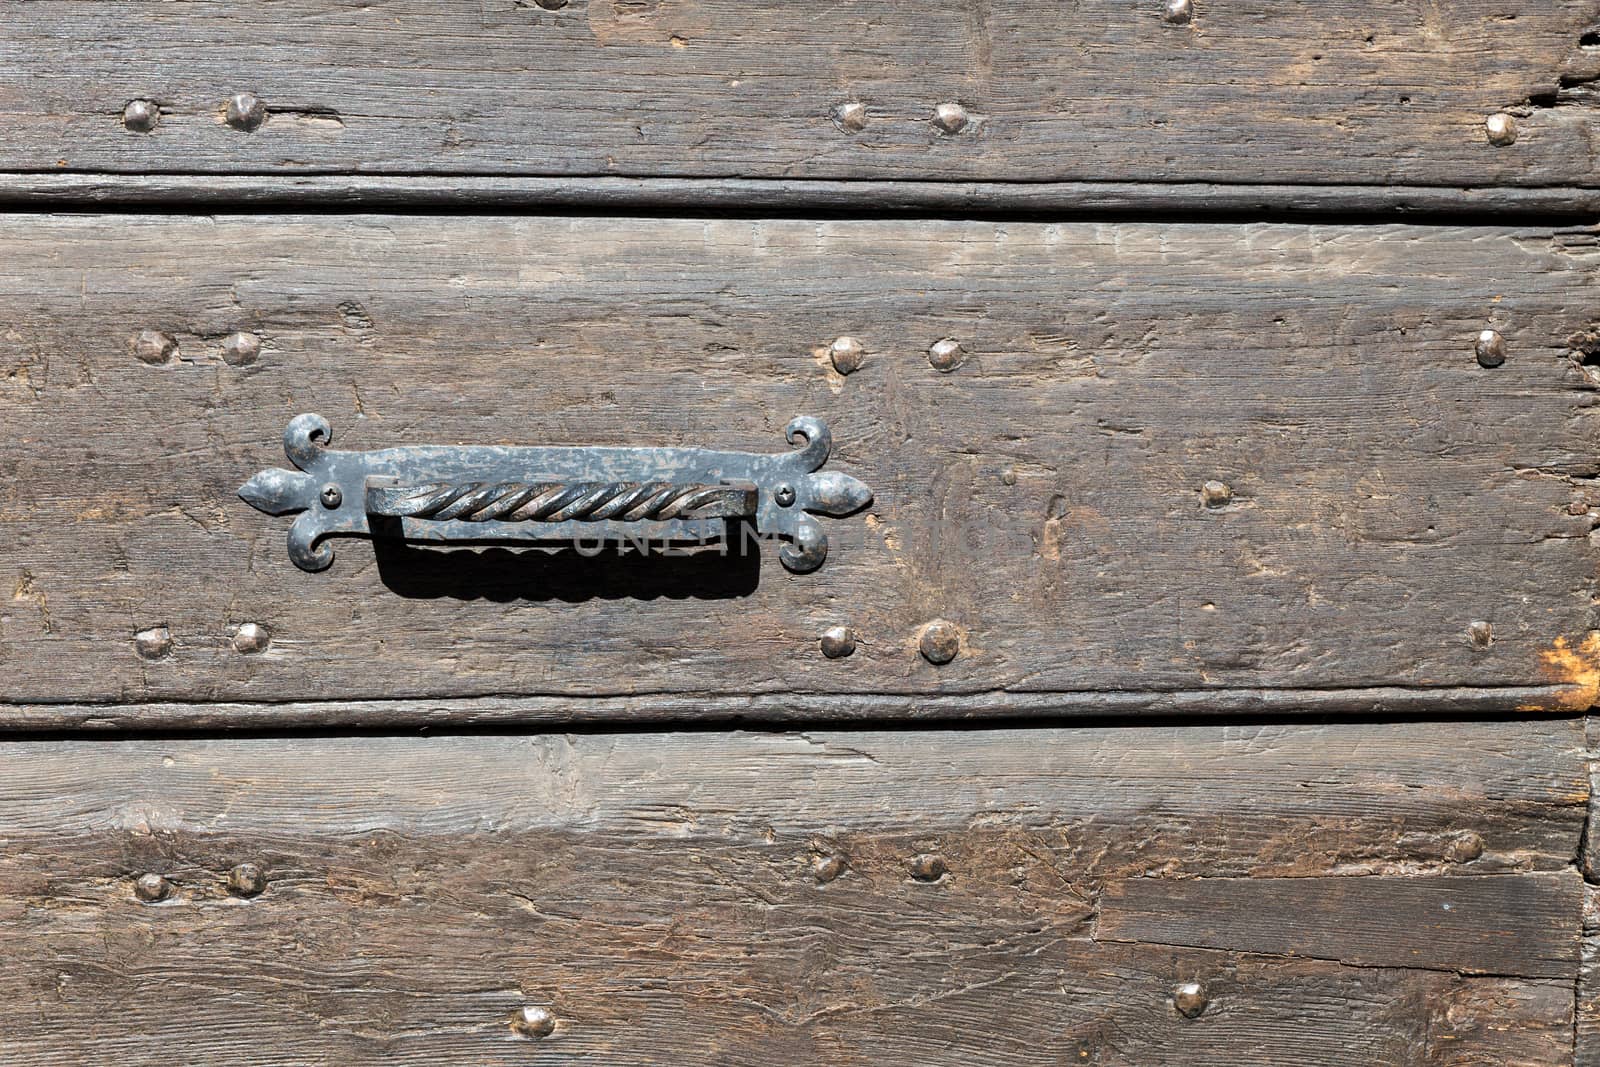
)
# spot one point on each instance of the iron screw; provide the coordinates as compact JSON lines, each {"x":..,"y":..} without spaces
{"x":1215,"y":494}
{"x":1501,"y":129}
{"x":332,"y":496}
{"x":246,"y":111}
{"x":1190,"y":998}
{"x":940,"y":642}
{"x":1178,"y":12}
{"x":152,"y":888}
{"x":532,"y":1022}
{"x":154,"y":643}
{"x":946,"y":355}
{"x":154,"y":347}
{"x":951,"y":118}
{"x":929,"y":867}
{"x":784,"y":495}
{"x":247,"y":880}
{"x":851,"y":117}
{"x":240,"y":349}
{"x":826,"y":868}
{"x":838,"y":642}
{"x":141,"y":116}
{"x":251,"y":639}
{"x":1490,"y":349}
{"x":847,"y":355}
{"x":551,"y":5}
{"x":1480,"y":633}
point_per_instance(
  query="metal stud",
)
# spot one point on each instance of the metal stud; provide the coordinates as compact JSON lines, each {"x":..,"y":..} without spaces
{"x":1216,"y":494}
{"x":827,"y":868}
{"x":1466,"y":847}
{"x":1178,"y":12}
{"x":1480,"y":633}
{"x":246,"y":111}
{"x":940,"y":641}
{"x":851,"y":117}
{"x":847,"y":355}
{"x":946,"y":355}
{"x":141,"y":116}
{"x":154,"y":643}
{"x":929,"y":867}
{"x":154,"y":347}
{"x":331,"y":496}
{"x":240,"y":349}
{"x":784,"y":495}
{"x":551,"y":5}
{"x":152,"y":888}
{"x":1490,"y":348}
{"x":251,"y":639}
{"x":1501,"y":129}
{"x":247,"y":880}
{"x":838,"y":642}
{"x":533,"y":1023}
{"x":951,"y":118}
{"x":1190,"y":999}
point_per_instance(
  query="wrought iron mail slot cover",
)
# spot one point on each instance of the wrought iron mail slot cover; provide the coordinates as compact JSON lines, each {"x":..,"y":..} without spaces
{"x":553,"y":495}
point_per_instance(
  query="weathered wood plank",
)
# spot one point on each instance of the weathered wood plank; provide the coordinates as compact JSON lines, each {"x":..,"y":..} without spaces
{"x":1388,"y":491}
{"x":1349,"y":91}
{"x":668,"y":896}
{"x":1514,"y":924}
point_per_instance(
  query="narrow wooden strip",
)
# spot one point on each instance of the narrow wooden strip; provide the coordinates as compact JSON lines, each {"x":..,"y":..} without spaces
{"x":1526,"y":925}
{"x":376,"y":192}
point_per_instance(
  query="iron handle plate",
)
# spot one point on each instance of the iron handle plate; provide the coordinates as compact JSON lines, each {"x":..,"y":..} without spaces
{"x":537,"y":494}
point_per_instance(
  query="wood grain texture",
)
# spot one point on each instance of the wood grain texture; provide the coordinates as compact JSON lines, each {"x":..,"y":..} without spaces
{"x":661,"y":895}
{"x":1045,"y":497}
{"x":1363,"y":92}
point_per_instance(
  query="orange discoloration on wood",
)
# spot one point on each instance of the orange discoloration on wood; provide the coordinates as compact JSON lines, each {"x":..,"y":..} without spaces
{"x":1577,"y":668}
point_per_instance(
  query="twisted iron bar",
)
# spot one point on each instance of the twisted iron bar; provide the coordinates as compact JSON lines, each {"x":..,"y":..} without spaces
{"x":561,"y":501}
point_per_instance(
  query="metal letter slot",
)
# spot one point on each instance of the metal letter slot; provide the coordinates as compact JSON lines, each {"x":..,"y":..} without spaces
{"x":668,"y":496}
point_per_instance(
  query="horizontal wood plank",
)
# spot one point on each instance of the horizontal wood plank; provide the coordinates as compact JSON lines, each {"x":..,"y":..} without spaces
{"x":1045,"y":496}
{"x":1526,"y":924}
{"x":766,"y":897}
{"x":1360,"y":92}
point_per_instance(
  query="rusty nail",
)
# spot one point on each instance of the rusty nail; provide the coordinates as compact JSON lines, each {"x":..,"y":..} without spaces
{"x":246,"y":111}
{"x":251,"y":638}
{"x":1215,"y":494}
{"x":951,"y":118}
{"x":1490,"y":349}
{"x":154,"y":643}
{"x":940,"y":641}
{"x":1480,"y":633}
{"x":1178,"y":12}
{"x":1190,"y":999}
{"x":928,"y":867}
{"x":946,"y":355}
{"x":141,"y":116}
{"x":847,"y":355}
{"x":1466,"y":847}
{"x":154,"y":347}
{"x":532,"y":1022}
{"x":826,"y":868}
{"x":1501,"y":129}
{"x":838,"y":642}
{"x":240,"y":349}
{"x":152,"y":888}
{"x":851,"y":117}
{"x":247,"y":880}
{"x":332,"y":496}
